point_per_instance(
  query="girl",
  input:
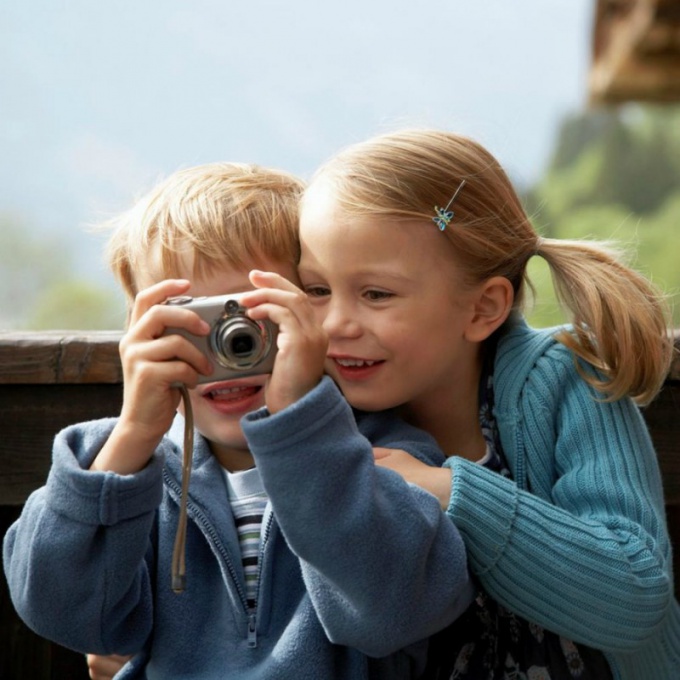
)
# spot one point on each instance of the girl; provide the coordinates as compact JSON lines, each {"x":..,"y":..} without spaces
{"x":550,"y":476}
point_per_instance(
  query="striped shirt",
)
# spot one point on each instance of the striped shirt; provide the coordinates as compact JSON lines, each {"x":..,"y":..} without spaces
{"x":248,"y":500}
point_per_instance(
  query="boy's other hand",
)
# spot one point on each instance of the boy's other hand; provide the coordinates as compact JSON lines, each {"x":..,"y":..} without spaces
{"x":105,"y":667}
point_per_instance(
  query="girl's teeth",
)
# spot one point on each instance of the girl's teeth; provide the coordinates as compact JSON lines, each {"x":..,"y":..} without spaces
{"x":354,"y":362}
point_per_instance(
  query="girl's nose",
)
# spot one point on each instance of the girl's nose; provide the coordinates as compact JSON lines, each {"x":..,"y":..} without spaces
{"x":341,"y":321}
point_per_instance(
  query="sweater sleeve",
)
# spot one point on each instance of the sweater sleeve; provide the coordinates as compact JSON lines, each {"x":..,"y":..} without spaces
{"x":580,"y":547}
{"x":75,"y":560}
{"x":383,"y":565}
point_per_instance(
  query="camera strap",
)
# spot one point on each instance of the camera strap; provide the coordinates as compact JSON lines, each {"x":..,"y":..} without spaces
{"x":179,"y":550}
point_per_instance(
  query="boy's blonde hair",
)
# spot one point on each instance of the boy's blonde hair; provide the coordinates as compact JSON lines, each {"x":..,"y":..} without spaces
{"x":216,"y":214}
{"x":619,"y":318}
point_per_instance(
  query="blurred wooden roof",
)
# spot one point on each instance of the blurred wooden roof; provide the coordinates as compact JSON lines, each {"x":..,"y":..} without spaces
{"x":636,"y":51}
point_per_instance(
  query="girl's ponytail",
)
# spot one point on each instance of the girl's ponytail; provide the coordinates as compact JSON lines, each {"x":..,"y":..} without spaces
{"x":620,"y":320}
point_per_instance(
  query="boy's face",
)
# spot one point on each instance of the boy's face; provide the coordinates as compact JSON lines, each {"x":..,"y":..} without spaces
{"x":218,"y":407}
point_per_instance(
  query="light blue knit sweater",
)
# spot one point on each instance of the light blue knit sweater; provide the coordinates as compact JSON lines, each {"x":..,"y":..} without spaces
{"x":577,"y":542}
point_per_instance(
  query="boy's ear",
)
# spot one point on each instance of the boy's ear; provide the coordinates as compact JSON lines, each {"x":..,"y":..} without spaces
{"x":492,"y":307}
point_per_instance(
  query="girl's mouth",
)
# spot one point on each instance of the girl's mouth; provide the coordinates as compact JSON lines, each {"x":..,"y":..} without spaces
{"x":350,"y":368}
{"x":354,"y":363}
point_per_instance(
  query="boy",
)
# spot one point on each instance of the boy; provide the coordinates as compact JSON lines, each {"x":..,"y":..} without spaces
{"x":314,"y":563}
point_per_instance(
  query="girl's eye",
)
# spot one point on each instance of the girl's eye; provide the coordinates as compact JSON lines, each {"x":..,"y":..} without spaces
{"x":377,"y":295}
{"x":317,"y":291}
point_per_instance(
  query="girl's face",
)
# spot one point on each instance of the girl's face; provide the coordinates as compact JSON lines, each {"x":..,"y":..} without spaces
{"x":391,"y":298}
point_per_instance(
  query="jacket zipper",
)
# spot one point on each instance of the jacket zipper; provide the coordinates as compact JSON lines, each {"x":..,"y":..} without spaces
{"x":198,"y":517}
{"x":252,"y":630}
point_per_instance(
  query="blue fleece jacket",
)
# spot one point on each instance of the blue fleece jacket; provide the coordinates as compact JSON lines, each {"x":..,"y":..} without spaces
{"x":357,"y":567}
{"x":577,"y":540}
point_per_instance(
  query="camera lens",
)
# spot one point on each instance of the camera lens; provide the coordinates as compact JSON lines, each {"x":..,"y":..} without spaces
{"x":239,"y":343}
{"x":242,"y":345}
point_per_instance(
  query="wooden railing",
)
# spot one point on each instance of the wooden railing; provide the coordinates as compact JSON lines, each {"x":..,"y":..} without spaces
{"x":50,"y":380}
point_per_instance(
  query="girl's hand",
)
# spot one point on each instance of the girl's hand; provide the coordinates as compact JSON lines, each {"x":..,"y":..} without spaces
{"x":105,"y":667}
{"x":153,"y":365}
{"x":302,"y":343}
{"x":433,"y":479}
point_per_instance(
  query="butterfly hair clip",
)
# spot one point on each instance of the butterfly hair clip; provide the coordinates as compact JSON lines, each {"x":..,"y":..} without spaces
{"x":443,"y":215}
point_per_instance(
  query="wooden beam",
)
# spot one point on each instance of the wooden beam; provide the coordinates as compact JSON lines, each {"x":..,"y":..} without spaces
{"x":636,"y":51}
{"x":58,"y":357}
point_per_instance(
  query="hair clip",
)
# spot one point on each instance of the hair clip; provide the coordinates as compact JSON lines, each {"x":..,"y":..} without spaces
{"x":444,"y":215}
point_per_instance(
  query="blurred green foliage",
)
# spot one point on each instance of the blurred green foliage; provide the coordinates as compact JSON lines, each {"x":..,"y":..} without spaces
{"x":74,"y":304}
{"x":38,"y":290}
{"x":614,"y":176}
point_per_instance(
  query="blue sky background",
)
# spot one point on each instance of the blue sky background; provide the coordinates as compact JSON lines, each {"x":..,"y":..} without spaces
{"x":98,"y":100}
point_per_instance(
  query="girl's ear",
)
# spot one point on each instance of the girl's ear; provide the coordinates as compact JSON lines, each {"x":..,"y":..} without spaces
{"x":492,"y":307}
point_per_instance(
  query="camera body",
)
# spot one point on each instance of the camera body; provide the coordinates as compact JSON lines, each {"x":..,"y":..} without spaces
{"x":236,"y":345}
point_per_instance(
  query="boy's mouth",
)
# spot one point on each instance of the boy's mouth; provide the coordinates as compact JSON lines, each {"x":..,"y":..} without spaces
{"x":234,"y":397}
{"x":233,"y":393}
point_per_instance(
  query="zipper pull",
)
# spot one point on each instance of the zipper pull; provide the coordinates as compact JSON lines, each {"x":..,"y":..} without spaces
{"x":252,"y":630}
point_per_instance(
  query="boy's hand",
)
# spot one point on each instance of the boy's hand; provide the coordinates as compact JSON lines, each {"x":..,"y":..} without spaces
{"x":153,"y":364}
{"x":302,"y":343}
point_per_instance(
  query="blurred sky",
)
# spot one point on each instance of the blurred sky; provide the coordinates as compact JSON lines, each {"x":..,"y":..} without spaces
{"x":98,"y":100}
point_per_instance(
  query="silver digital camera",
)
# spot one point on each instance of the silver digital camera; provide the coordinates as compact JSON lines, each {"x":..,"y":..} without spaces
{"x":237,"y":345}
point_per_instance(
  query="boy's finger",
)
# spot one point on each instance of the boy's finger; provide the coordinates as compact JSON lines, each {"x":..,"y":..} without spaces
{"x":155,"y":295}
{"x":262,"y":279}
{"x":164,"y":319}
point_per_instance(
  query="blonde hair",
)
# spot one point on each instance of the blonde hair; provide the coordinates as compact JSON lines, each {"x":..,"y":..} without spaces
{"x":219,"y":213}
{"x":619,"y":318}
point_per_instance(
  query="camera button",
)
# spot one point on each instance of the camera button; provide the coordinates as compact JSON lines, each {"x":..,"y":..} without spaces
{"x":179,"y":300}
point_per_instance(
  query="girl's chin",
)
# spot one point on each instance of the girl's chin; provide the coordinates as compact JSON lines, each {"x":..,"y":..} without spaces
{"x":365,"y":401}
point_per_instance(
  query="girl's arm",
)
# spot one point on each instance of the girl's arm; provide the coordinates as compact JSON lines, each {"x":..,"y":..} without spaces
{"x":577,"y":542}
